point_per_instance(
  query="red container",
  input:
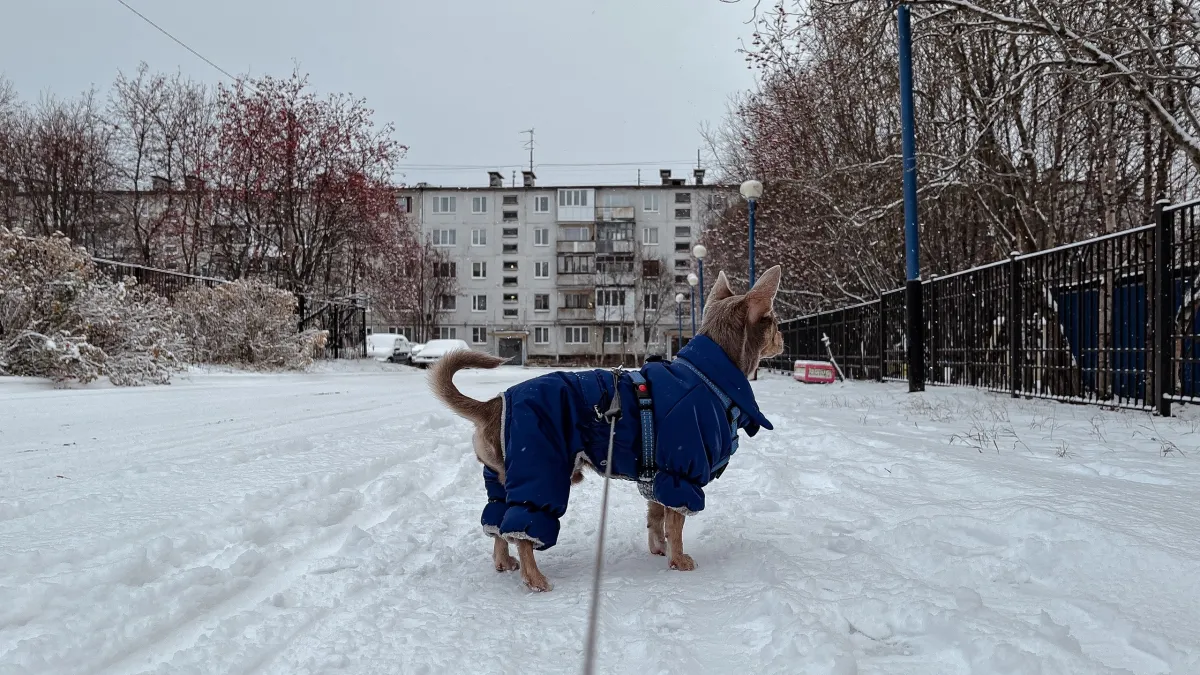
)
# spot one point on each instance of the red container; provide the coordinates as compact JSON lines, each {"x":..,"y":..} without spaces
{"x":814,"y":372}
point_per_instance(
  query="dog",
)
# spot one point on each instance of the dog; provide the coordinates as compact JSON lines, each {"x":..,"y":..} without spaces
{"x":677,"y":431}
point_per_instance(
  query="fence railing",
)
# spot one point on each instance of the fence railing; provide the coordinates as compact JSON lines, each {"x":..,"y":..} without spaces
{"x":1109,"y":320}
{"x":345,"y":321}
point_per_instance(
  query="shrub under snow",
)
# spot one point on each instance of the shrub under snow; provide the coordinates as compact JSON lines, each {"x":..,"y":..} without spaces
{"x":246,"y":323}
{"x":58,"y":320}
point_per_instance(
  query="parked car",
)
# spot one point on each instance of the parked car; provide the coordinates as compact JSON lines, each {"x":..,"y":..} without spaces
{"x":401,"y":350}
{"x":436,"y":349}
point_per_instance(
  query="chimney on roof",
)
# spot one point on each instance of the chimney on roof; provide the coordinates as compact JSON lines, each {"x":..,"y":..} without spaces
{"x":665,"y":174}
{"x":159,"y":184}
{"x":495,"y":179}
{"x":699,"y":176}
{"x":528,"y":177}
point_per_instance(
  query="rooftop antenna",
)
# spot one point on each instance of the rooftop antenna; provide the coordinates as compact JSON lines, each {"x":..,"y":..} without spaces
{"x":514,"y":178}
{"x":529,"y":146}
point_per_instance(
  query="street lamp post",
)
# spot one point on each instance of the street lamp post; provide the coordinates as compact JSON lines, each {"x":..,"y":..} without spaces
{"x":752,"y":190}
{"x":679,"y":316}
{"x":692,"y":281}
{"x":700,"y":252}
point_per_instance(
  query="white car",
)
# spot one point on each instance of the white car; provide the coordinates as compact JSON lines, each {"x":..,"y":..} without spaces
{"x":402,"y":350}
{"x":436,"y":349}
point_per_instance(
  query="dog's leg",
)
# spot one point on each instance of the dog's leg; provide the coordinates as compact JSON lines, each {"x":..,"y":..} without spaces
{"x":656,"y":536}
{"x":530,"y":573}
{"x":500,"y":556}
{"x":674,"y":526}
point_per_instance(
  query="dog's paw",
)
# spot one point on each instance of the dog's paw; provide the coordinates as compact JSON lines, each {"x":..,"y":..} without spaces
{"x":683,"y":562}
{"x":536,"y":582}
{"x":657,"y":545}
{"x":577,"y":477}
{"x":508,"y":564}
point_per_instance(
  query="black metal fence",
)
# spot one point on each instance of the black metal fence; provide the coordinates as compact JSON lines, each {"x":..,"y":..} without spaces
{"x":346,"y":321}
{"x":1109,"y":320}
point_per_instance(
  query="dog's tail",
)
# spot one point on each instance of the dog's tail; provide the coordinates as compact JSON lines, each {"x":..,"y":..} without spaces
{"x":441,"y":381}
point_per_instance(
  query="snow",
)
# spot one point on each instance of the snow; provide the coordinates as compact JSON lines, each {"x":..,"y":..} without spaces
{"x":329,"y":522}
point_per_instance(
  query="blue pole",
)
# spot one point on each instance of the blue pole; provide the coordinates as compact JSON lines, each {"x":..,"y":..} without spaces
{"x":693,"y":294}
{"x":912,"y":244}
{"x":753,"y":205}
{"x":700,"y":266}
{"x":912,"y":248}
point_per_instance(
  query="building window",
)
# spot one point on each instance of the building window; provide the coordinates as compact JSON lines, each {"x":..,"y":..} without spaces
{"x":577,"y":335}
{"x":446,"y":270}
{"x":510,"y":216}
{"x":683,"y":264}
{"x":447,"y":303}
{"x":650,"y":235}
{"x":510,"y":313}
{"x":445,"y":204}
{"x":682,"y":232}
{"x":478,"y":204}
{"x":572,"y":197}
{"x":681,"y":278}
{"x":510,"y":248}
{"x":650,"y":335}
{"x":577,"y":301}
{"x":575,"y":264}
{"x":577,"y":233}
{"x":510,"y":298}
{"x":510,"y":281}
{"x":541,"y":334}
{"x":541,"y":270}
{"x":610,"y":298}
{"x":510,"y":200}
{"x":683,"y":214}
{"x":479,"y":270}
{"x":478,"y":303}
{"x":479,"y":335}
{"x":651,"y":268}
{"x":445,"y":237}
{"x":404,"y":204}
{"x":650,"y":202}
{"x":479,"y":237}
{"x":541,"y":236}
{"x":615,"y":335}
{"x":541,"y":302}
{"x":717,"y":202}
{"x":509,"y":232}
{"x":541,"y":205}
{"x":510,"y":265}
{"x":683,"y":198}
{"x":447,"y":333}
{"x":682,"y":247}
{"x":650,"y":301}
{"x":614,"y":266}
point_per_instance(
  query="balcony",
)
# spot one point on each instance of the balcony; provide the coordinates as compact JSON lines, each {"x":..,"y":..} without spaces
{"x":614,"y":246}
{"x":576,"y":314}
{"x":584,"y":280}
{"x":576,"y":246}
{"x":611,"y":213}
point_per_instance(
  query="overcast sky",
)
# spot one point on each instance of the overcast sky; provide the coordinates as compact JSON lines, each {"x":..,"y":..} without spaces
{"x":602,"y":81}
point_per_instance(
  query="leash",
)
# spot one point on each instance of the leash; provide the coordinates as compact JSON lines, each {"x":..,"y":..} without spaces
{"x":612,"y":415}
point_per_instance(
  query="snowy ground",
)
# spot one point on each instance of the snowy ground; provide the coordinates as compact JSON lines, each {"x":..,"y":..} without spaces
{"x":328,"y":523}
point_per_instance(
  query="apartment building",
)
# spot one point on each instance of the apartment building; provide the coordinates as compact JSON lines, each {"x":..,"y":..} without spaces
{"x":574,"y":273}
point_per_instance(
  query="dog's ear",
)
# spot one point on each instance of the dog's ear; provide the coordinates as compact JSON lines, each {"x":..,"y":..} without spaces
{"x":719,"y":292}
{"x":761,"y":299}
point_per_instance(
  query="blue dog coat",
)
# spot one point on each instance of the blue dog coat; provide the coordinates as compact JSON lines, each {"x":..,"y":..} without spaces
{"x":699,"y":402}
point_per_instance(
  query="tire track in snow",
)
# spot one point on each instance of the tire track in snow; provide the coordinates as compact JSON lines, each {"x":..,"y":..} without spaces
{"x":271,"y":580}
